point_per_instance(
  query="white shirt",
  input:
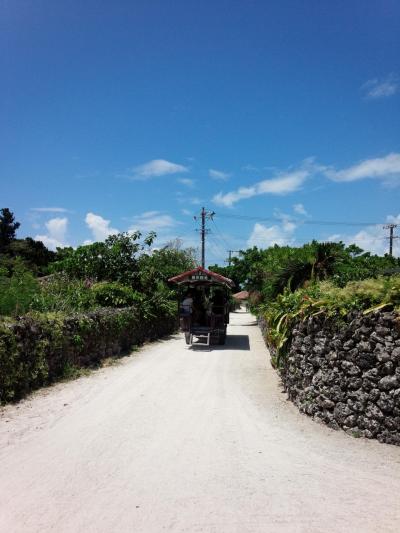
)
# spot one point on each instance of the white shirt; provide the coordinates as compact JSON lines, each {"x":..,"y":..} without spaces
{"x":187,"y":304}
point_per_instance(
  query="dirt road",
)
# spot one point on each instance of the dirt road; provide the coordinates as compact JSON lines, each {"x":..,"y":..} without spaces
{"x":178,"y":440}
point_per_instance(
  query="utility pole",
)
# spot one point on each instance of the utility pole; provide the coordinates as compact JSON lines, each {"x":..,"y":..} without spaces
{"x":391,"y":237}
{"x":204,"y":215}
{"x":230,"y":252}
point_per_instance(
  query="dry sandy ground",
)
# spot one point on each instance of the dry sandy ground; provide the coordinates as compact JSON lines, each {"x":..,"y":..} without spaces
{"x":177,"y":440}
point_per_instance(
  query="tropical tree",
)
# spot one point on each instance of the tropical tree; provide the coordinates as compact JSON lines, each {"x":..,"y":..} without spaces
{"x":318,"y":266}
{"x":8,"y":227}
{"x":115,"y":259}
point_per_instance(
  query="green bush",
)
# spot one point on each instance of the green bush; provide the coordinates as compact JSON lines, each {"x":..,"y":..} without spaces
{"x":114,"y":294}
{"x":17,"y":291}
{"x":326,"y":299}
{"x":60,"y":293}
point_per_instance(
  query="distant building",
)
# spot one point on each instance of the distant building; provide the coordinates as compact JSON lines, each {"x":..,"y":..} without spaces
{"x":241,"y":298}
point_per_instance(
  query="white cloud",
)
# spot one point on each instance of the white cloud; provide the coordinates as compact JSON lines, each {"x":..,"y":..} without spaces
{"x":186,"y":212}
{"x":385,"y":168}
{"x":152,"y":221}
{"x":56,"y":232}
{"x":300,"y":209}
{"x":49,"y":209}
{"x":381,"y":88}
{"x":218,"y":174}
{"x":372,"y":238}
{"x":283,"y":184}
{"x":264,"y":237}
{"x":187,"y":182}
{"x":57,"y":227}
{"x":157,"y":167}
{"x":99,"y":226}
{"x":49,"y":242}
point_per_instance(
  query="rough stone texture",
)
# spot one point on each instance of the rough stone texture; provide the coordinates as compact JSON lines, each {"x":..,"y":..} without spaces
{"x":38,"y":349}
{"x":347,"y":375}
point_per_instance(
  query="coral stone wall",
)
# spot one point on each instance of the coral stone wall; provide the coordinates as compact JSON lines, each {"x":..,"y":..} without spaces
{"x":38,"y":349}
{"x":348,"y":375}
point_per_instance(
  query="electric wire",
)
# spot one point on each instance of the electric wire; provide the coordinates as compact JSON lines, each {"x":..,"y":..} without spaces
{"x":300,"y":221}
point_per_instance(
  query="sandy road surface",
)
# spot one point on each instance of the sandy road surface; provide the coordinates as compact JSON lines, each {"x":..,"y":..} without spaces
{"x":188,"y":440}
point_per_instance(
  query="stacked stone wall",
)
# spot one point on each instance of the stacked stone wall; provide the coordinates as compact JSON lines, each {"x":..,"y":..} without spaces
{"x":347,"y":374}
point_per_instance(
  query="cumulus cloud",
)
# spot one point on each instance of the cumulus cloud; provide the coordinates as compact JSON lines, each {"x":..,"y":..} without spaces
{"x":371,"y":239}
{"x":300,"y":209}
{"x":157,"y":167}
{"x":266,"y":236}
{"x":381,"y":87}
{"x":385,"y":168}
{"x":218,"y":174}
{"x":283,"y":184}
{"x":153,"y":221}
{"x":56,"y":233}
{"x":99,"y":226}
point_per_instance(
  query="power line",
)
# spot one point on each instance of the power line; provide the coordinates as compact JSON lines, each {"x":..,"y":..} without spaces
{"x":300,"y":221}
{"x":217,"y":246}
{"x":220,"y":233}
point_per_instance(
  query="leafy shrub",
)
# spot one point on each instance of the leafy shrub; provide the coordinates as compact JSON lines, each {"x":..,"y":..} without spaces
{"x":58,"y":292}
{"x":327,"y":299}
{"x":17,"y":291}
{"x":114,"y":294}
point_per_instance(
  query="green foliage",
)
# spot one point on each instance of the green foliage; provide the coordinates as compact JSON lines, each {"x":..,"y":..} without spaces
{"x":17,"y":291}
{"x":358,"y":265}
{"x":114,"y":294}
{"x":325,"y":299}
{"x":8,"y":227}
{"x":268,"y":272}
{"x":40,"y":348}
{"x":60,"y":293}
{"x":34,"y":254}
{"x":163,"y":264}
{"x":319,"y":264}
{"x":115,"y":259}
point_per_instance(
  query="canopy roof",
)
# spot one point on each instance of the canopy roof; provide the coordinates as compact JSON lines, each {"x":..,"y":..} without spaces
{"x":201,"y":276}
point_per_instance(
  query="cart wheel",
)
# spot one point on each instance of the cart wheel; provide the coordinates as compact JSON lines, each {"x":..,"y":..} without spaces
{"x":187,"y":337}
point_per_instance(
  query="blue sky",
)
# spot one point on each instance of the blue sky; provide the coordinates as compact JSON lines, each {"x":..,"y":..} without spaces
{"x":124,"y":115}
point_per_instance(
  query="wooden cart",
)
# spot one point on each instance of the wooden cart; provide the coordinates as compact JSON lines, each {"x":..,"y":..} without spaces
{"x":204,"y":320}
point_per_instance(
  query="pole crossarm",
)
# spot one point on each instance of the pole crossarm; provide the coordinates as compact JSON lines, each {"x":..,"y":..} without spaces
{"x":391,"y":237}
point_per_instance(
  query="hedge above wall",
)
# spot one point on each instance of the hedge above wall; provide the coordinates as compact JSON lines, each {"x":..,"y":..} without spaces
{"x":37,"y":349}
{"x":347,"y":374}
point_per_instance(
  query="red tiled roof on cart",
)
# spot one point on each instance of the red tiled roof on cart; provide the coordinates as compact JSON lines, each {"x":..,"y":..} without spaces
{"x":217,"y":277}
